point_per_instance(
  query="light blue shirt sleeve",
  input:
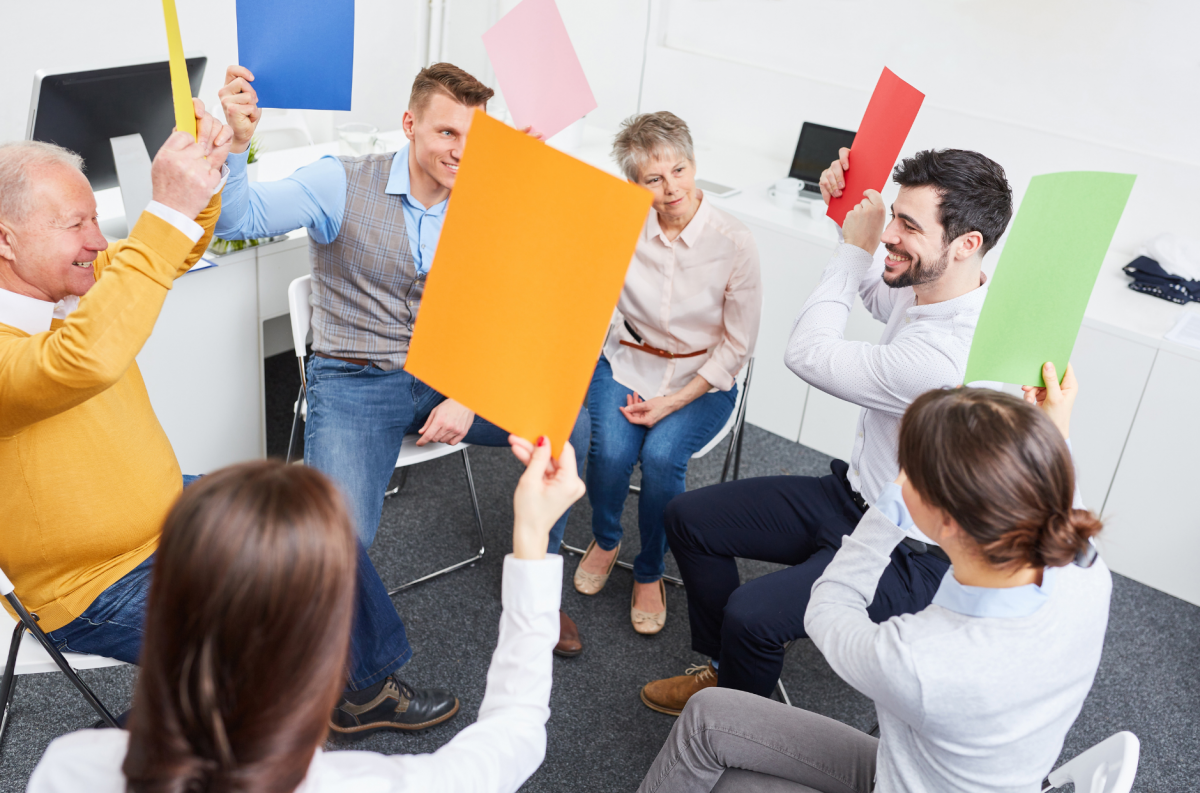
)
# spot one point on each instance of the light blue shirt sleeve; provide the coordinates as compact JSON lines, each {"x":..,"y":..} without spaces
{"x":891,"y":503}
{"x":314,"y":197}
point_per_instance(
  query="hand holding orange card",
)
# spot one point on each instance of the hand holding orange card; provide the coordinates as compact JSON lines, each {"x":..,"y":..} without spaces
{"x":890,"y":115}
{"x":531,"y":261}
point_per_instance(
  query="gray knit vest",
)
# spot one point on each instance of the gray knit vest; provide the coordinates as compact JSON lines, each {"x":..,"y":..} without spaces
{"x":366,"y":289}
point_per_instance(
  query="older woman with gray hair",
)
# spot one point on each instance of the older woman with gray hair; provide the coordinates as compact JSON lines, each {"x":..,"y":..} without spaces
{"x":666,"y":382}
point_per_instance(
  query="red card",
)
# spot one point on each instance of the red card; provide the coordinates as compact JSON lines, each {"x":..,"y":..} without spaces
{"x":890,"y":115}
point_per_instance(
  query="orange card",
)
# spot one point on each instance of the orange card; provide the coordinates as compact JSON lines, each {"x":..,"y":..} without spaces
{"x":531,"y":261}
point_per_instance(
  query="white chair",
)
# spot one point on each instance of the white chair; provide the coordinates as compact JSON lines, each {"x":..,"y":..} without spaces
{"x":30,"y":652}
{"x":1108,"y":767}
{"x":735,"y":425}
{"x":300,"y":306}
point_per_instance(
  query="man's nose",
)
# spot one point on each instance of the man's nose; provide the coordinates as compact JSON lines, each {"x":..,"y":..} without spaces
{"x":891,"y":234}
{"x":95,"y":240}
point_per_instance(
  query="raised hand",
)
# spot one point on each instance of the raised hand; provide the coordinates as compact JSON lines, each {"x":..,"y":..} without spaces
{"x":240,"y":103}
{"x":182,"y":174}
{"x":864,"y":224}
{"x":214,"y":136}
{"x":545,"y":491}
{"x":833,"y":178}
{"x":1055,"y":399}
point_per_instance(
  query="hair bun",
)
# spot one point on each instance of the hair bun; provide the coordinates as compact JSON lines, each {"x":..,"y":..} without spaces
{"x":1065,"y":536}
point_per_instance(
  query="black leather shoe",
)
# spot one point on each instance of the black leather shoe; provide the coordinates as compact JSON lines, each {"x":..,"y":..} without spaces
{"x":397,"y":706}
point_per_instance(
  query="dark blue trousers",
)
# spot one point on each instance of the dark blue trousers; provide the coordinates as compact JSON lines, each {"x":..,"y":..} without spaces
{"x":793,"y":520}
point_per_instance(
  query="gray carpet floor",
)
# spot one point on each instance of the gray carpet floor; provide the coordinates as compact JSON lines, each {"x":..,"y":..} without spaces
{"x":601,"y":737}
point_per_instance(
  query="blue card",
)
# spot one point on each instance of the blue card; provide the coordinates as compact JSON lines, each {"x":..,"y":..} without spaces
{"x":301,"y":52}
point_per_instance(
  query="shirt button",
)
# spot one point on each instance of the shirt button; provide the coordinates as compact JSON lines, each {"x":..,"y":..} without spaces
{"x":856,"y":472}
{"x":860,"y":434}
{"x":410,"y":302}
{"x":906,"y":319}
{"x":422,"y":246}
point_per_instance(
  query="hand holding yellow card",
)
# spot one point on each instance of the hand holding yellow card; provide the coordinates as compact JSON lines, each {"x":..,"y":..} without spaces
{"x":531,"y":261}
{"x":181,"y":90}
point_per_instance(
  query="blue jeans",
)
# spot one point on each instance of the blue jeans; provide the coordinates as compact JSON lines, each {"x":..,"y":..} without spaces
{"x":113,"y":625}
{"x":357,"y":419}
{"x":664,"y":451}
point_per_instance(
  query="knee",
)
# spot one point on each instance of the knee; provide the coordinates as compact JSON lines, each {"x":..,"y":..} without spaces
{"x":663,"y":463}
{"x":742,"y":621}
{"x":678,"y":516}
{"x":709,"y":707}
{"x":609,"y":453}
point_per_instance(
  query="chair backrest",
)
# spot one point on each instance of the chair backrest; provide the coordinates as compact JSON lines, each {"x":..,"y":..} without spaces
{"x":742,"y":378}
{"x":300,"y":308}
{"x":1108,"y":767}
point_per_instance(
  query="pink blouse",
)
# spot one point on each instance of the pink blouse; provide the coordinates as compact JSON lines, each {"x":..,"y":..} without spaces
{"x":703,"y":291}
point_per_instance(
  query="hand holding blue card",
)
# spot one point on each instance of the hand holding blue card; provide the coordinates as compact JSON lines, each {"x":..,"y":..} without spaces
{"x":300,"y":51}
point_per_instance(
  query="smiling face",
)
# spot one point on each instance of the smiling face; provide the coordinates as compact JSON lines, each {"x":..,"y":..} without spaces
{"x":49,"y":254}
{"x":438,"y":132}
{"x":672,"y":179}
{"x":917,"y":253}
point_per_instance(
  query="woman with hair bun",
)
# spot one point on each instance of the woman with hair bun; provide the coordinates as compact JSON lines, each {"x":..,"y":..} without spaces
{"x":977,"y":691}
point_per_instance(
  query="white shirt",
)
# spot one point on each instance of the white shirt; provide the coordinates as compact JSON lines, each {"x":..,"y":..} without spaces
{"x":496,"y":754}
{"x":34,"y":316}
{"x":923,"y":347}
{"x":700,"y":291}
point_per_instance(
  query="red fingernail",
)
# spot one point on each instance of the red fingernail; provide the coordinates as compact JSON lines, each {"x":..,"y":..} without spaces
{"x":542,"y":441}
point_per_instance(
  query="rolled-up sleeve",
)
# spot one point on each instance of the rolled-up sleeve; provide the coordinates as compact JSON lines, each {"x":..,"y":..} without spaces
{"x":742,"y":313}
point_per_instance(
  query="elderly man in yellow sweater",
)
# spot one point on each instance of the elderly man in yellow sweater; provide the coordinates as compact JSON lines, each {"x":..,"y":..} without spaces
{"x":88,"y":473}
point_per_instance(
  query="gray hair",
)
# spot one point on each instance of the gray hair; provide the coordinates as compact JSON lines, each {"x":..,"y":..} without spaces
{"x":649,"y":135}
{"x":17,"y":163}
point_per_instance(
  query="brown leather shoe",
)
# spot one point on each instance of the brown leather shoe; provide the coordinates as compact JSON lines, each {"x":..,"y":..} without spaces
{"x":670,"y":694}
{"x":569,"y":644}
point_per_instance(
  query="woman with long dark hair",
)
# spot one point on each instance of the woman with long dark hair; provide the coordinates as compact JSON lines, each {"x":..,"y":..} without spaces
{"x":247,"y":635}
{"x":977,"y":691}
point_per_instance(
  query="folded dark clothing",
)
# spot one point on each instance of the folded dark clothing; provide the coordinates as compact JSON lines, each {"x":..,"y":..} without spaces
{"x":1150,"y":278}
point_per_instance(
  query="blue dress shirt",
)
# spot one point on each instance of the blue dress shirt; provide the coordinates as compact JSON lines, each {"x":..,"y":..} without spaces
{"x":314,"y":197}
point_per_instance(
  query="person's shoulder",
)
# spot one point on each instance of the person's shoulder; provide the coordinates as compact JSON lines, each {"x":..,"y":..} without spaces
{"x":85,"y":760}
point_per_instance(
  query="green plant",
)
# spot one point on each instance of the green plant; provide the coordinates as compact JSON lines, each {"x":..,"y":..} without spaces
{"x":255,"y":149}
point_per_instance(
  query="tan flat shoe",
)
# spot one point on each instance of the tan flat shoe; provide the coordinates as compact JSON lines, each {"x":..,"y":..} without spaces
{"x":591,"y":583}
{"x":647,"y":623}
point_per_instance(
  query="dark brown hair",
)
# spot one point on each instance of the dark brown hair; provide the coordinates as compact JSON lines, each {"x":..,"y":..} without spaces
{"x":974,"y":192}
{"x":448,"y":79}
{"x":1001,"y":469}
{"x":247,"y":633}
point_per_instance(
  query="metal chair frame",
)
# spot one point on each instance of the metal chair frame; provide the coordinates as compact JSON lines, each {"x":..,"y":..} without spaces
{"x":8,"y":684}
{"x":734,"y":429}
{"x":299,"y":292}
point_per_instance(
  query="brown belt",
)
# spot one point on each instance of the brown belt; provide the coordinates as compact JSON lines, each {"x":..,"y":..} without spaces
{"x":355,"y":361}
{"x":661,"y":353}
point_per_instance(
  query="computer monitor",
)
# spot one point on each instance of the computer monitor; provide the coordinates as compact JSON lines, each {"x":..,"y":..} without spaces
{"x":818,"y":147}
{"x":84,"y":111}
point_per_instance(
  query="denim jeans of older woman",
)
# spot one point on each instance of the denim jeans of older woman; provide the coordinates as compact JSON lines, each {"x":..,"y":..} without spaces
{"x":663,"y":450}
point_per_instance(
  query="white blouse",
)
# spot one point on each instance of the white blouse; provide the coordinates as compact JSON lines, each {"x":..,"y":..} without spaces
{"x":496,"y":754}
{"x":702,"y":291}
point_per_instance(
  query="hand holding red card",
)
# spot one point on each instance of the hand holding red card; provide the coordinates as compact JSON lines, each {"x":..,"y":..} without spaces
{"x":890,"y":115}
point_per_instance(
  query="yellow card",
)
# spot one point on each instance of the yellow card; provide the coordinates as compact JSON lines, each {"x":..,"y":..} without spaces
{"x":531,"y":261}
{"x":181,"y":89}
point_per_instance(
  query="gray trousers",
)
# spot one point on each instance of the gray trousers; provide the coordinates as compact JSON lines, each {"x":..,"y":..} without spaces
{"x":734,"y":742}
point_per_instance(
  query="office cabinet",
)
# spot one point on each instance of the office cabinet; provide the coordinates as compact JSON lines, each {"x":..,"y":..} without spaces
{"x":1152,"y":523}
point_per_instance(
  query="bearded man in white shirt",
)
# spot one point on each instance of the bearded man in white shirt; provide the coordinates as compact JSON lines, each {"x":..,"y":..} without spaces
{"x":928,"y":287}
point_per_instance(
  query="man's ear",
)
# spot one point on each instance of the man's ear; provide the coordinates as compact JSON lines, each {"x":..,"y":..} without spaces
{"x":7,"y":243}
{"x":407,"y":124}
{"x":968,"y":245}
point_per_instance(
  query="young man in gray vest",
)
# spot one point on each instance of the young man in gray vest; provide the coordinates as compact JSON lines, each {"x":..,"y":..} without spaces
{"x":373,"y":225}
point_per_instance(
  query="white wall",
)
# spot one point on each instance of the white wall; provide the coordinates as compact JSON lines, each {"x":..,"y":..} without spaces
{"x":91,"y":35}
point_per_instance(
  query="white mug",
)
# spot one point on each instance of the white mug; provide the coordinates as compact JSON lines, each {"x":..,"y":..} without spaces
{"x":786,"y":192}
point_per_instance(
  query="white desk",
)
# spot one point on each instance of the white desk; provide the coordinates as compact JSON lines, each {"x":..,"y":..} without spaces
{"x":1134,"y":429}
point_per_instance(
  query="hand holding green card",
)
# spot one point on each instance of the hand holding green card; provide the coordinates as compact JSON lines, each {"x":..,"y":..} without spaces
{"x":1037,"y":297}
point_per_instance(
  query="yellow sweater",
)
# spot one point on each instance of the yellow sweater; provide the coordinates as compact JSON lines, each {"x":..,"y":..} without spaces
{"x":86,"y":472}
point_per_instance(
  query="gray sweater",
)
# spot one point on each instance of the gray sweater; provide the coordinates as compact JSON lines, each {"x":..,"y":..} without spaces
{"x":965,"y":702}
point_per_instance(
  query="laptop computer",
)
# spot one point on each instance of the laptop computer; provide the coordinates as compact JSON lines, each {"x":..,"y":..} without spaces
{"x":818,"y":146}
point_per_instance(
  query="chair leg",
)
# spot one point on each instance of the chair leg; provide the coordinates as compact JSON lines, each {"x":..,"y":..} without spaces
{"x":30,"y":623}
{"x":783,"y":692}
{"x":478,"y":526}
{"x":295,"y":425}
{"x":399,"y":485}
{"x":8,"y":684}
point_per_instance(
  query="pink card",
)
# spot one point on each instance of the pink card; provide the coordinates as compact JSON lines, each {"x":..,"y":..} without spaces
{"x":538,"y":70}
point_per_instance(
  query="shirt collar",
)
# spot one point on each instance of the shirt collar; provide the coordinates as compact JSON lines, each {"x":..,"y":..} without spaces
{"x":971,"y":301}
{"x":399,"y":183}
{"x":691,"y":232}
{"x":974,"y":601}
{"x":30,"y":314}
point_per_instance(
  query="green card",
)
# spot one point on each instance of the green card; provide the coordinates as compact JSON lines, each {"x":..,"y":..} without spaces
{"x":1037,"y":297}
